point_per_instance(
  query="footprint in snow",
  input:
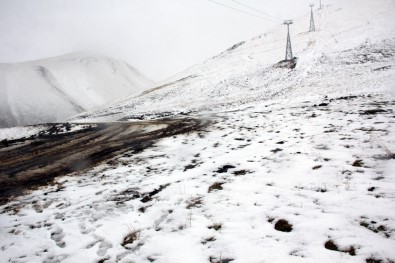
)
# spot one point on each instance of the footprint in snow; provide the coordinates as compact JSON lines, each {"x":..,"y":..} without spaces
{"x":57,"y":235}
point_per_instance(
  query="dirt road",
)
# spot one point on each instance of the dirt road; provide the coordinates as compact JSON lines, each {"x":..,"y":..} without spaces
{"x":28,"y":164}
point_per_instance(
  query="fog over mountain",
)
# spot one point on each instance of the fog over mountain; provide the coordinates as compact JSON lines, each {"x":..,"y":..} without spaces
{"x":54,"y":89}
{"x":159,"y":37}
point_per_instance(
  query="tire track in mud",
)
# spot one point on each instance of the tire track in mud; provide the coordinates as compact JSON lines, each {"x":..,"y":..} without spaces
{"x":37,"y":162}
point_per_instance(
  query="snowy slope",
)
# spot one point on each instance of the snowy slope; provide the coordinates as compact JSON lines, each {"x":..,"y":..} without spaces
{"x":348,"y":42}
{"x":54,"y":89}
{"x":218,"y":194}
{"x":313,"y":146}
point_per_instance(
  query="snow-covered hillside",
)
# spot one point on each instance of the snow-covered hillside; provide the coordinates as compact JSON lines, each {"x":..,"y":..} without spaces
{"x":294,"y":165}
{"x":54,"y":89}
{"x":351,"y":51}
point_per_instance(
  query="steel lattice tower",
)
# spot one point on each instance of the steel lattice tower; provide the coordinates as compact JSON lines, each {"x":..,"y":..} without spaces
{"x":312,"y":27}
{"x":288,"y":53}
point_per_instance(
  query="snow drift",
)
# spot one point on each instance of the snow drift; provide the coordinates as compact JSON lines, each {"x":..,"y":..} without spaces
{"x":54,"y":89}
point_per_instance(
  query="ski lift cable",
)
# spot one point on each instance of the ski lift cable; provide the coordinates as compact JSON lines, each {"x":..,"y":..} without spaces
{"x":258,"y":11}
{"x":244,"y":12}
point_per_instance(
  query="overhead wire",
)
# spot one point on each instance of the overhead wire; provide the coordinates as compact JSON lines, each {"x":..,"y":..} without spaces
{"x":258,"y":11}
{"x":244,"y":12}
{"x":300,"y":15}
{"x":268,"y":16}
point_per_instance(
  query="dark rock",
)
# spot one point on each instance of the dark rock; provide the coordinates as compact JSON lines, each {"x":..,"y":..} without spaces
{"x":283,"y":226}
{"x":357,"y":163}
{"x":225,"y":168}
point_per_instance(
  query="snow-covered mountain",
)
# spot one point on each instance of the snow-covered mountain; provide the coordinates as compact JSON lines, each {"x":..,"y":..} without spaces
{"x":54,"y":89}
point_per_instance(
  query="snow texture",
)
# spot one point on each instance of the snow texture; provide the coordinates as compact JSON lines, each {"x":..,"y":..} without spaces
{"x":297,"y":165}
{"x":20,"y":132}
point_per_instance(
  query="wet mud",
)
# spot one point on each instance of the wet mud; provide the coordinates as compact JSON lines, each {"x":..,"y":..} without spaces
{"x":35,"y":162}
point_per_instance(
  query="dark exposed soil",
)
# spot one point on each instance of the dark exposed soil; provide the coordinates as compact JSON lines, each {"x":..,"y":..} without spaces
{"x":215,"y":186}
{"x":220,"y":260}
{"x":36,"y":161}
{"x":317,"y":167}
{"x":289,"y":64}
{"x":215,"y":226}
{"x":377,"y":260}
{"x":276,"y":150}
{"x":148,"y":197}
{"x":225,"y":168}
{"x":377,"y":228}
{"x":372,"y":111}
{"x":283,"y":226}
{"x":373,"y":260}
{"x":195,"y":202}
{"x":241,"y":172}
{"x":357,"y":163}
{"x":132,"y":236}
{"x":330,"y":245}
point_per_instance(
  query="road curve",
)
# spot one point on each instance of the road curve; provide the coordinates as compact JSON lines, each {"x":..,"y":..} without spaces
{"x":36,"y":162}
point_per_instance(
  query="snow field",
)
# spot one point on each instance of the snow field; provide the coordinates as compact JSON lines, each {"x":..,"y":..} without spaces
{"x":272,"y":162}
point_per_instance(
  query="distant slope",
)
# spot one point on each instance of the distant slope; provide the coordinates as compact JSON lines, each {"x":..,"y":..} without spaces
{"x":352,"y":51}
{"x":54,"y":89}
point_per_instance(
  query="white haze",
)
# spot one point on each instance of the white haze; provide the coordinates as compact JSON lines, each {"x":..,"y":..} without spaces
{"x":159,"y":37}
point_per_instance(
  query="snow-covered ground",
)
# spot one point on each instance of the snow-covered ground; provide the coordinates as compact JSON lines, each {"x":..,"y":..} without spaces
{"x":26,"y":132}
{"x":327,"y":170}
{"x":54,"y":89}
{"x":295,"y":165}
{"x":20,"y":132}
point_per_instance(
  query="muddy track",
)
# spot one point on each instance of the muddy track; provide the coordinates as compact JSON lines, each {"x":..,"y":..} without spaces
{"x":37,"y":162}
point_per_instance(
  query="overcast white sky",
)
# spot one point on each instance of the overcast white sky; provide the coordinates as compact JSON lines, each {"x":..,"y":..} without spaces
{"x":159,"y":37}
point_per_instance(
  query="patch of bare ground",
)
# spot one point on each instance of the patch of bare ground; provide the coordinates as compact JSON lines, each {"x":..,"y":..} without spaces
{"x":331,"y":245}
{"x":132,"y":236}
{"x":215,"y":186}
{"x":283,"y":226}
{"x":37,"y":161}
